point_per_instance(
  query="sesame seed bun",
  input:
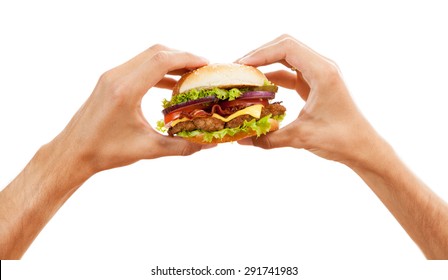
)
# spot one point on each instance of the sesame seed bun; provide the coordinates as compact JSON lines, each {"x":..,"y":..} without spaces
{"x":221,"y":76}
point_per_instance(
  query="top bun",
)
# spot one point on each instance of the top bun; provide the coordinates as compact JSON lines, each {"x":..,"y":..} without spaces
{"x":220,"y":75}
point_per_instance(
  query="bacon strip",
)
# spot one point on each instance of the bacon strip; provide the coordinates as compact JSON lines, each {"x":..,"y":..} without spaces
{"x":216,"y":109}
{"x":198,"y":113}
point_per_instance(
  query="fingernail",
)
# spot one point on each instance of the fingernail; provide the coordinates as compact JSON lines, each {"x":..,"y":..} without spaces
{"x":242,"y":60}
{"x":246,"y":141}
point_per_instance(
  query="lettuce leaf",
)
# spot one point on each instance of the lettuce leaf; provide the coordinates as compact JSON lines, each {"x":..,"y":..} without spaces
{"x":222,"y":94}
{"x":161,"y":126}
{"x":261,"y":127}
{"x":279,"y":118}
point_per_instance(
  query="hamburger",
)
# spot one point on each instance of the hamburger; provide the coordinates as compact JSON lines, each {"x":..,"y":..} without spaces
{"x":221,"y":103}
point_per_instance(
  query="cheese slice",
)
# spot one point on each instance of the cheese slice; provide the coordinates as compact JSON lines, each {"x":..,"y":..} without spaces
{"x":254,"y":111}
{"x":173,"y":123}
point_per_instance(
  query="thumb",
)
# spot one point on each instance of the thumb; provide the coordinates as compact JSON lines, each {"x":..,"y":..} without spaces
{"x":173,"y":146}
{"x":284,"y":137}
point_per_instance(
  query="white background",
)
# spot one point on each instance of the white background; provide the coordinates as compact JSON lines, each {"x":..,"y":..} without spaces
{"x":231,"y":206}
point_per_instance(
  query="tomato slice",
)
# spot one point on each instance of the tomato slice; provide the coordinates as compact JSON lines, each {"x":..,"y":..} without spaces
{"x":244,"y":102}
{"x":174,"y":115}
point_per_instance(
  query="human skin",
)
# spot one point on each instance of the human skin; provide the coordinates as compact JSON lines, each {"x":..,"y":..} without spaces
{"x":331,"y":126}
{"x":108,"y":131}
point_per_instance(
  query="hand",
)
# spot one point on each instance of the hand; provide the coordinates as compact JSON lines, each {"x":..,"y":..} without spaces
{"x":329,"y":124}
{"x":110,"y":130}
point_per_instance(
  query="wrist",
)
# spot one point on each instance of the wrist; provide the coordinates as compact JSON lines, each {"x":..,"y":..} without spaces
{"x":33,"y":197}
{"x":370,"y":153}
{"x":64,"y":163}
{"x":380,"y":159}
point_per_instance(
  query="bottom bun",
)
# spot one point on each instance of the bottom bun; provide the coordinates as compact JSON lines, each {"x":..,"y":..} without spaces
{"x":199,"y":139}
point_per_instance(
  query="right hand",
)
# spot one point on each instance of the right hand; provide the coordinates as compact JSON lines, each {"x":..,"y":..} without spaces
{"x":329,"y":125}
{"x":110,"y":130}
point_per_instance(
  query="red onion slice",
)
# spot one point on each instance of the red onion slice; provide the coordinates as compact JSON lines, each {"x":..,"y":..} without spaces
{"x":204,"y":101}
{"x":257,"y":94}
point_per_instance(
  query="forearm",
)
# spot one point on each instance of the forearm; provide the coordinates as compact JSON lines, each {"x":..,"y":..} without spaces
{"x":34,"y":196}
{"x":420,"y":211}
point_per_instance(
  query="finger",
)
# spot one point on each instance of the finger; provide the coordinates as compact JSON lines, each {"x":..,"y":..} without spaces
{"x":169,"y":83}
{"x":154,"y":69}
{"x":133,"y":63}
{"x":174,"y":146}
{"x":287,"y":49}
{"x":282,"y":78}
{"x":246,"y":141}
{"x":279,"y":41}
{"x":166,"y":83}
{"x":209,"y":146}
{"x":283,"y":137}
{"x":292,"y":52}
{"x":130,"y":65}
{"x":180,"y":72}
{"x":266,"y":44}
{"x":290,"y":80}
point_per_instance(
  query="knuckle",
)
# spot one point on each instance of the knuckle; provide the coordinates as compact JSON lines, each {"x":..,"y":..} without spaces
{"x":106,"y":78}
{"x":263,"y":142}
{"x":284,"y":36}
{"x":115,"y":88}
{"x":333,"y":68}
{"x":119,"y":92}
{"x":175,"y":146}
{"x":188,"y":150}
{"x":158,"y":48}
{"x":288,"y":43}
{"x":331,"y":73}
{"x":160,"y":58}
